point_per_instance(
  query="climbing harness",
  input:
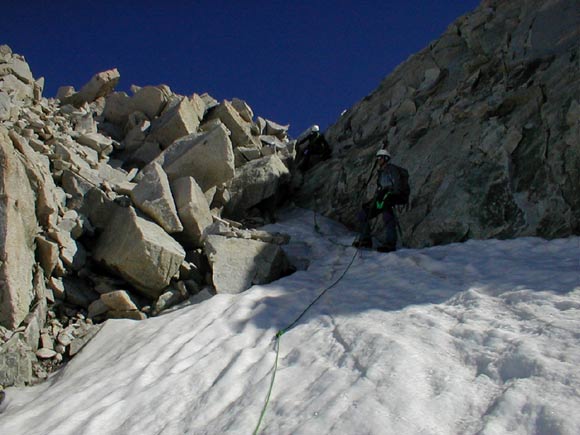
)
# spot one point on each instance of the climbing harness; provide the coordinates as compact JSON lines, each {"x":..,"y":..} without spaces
{"x":381,"y":204}
{"x":282,"y":331}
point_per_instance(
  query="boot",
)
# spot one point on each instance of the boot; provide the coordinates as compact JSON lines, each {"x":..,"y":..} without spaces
{"x":363,"y":243}
{"x":387,"y":247}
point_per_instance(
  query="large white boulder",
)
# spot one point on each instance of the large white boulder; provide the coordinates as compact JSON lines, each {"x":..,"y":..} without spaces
{"x":14,"y":64}
{"x":181,"y":118}
{"x":243,"y":109}
{"x":240,"y":129}
{"x":140,"y":251}
{"x":100,"y":85}
{"x":117,"y":108}
{"x":207,"y":157}
{"x":100,"y":143}
{"x":152,"y":195}
{"x":193,"y":210}
{"x":237,"y":264}
{"x":150,"y":100}
{"x":256,"y":181}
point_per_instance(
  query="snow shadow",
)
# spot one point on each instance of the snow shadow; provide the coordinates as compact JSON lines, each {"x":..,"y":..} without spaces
{"x":396,"y":281}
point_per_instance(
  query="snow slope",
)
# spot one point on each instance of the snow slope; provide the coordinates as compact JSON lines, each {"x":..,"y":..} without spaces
{"x":475,"y":338}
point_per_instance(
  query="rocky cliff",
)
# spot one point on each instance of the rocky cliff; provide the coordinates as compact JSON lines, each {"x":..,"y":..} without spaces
{"x":487,"y":121}
{"x":116,"y":206}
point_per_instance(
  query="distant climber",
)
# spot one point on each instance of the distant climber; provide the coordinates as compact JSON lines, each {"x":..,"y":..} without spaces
{"x":311,"y":148}
{"x":392,"y":189}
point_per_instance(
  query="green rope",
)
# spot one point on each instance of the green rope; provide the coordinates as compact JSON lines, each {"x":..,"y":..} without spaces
{"x":286,"y":329}
{"x":274,"y":370}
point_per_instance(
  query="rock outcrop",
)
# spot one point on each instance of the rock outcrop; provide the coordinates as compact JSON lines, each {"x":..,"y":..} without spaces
{"x":486,"y":120}
{"x":193,"y":210}
{"x":18,"y":228}
{"x":106,"y":204}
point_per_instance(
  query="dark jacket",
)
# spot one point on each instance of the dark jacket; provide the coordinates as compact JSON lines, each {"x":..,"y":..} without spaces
{"x":389,"y":184}
{"x":311,"y":150}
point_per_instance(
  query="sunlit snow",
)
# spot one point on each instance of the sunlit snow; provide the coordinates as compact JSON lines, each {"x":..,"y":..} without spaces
{"x":481,"y":337}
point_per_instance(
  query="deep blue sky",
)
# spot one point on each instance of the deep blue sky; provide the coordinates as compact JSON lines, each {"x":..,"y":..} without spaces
{"x":295,"y":62}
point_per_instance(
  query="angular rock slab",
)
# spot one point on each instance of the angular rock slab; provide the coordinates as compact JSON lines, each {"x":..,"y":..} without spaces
{"x":240,"y":130}
{"x":100,"y":85}
{"x":153,"y":196}
{"x":18,"y":227}
{"x":243,"y":109}
{"x":151,"y":100}
{"x":16,"y":359}
{"x":140,"y":251}
{"x":177,"y":121}
{"x":13,"y":64}
{"x":193,"y":210}
{"x":256,"y":181}
{"x":207,"y":157}
{"x":49,"y":198}
{"x":237,"y":264}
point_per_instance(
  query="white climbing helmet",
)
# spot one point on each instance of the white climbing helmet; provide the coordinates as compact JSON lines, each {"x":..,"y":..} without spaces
{"x":384,"y":153}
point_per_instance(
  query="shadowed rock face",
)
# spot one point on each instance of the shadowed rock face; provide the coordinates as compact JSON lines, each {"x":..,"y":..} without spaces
{"x":486,"y":119}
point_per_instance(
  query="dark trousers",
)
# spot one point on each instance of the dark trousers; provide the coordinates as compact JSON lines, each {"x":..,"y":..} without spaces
{"x":370,"y":211}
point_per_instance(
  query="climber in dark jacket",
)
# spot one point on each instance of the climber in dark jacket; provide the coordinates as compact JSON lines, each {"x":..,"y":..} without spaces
{"x":311,"y":149}
{"x":388,"y":193}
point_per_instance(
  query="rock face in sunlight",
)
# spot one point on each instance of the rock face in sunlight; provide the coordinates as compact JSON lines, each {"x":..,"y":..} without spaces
{"x":487,"y":121}
{"x":107,"y":200}
{"x":18,"y":226}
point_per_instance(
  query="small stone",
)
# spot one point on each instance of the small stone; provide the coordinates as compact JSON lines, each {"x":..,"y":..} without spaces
{"x":65,"y":337}
{"x":40,"y":372}
{"x":57,"y":287}
{"x":45,"y":353}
